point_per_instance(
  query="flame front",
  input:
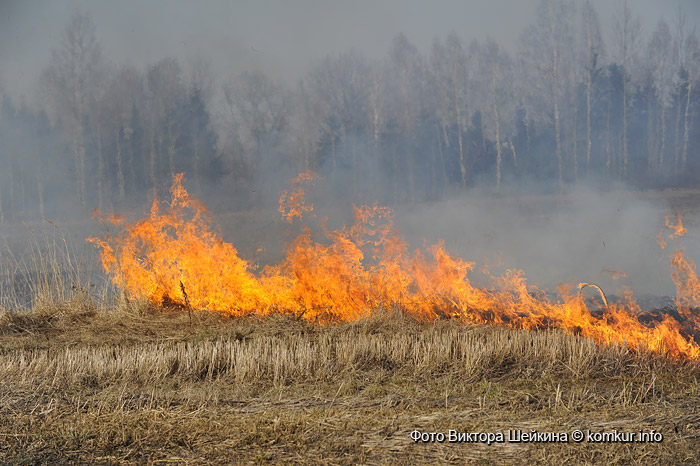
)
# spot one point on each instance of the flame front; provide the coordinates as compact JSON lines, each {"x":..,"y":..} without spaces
{"x":362,"y":267}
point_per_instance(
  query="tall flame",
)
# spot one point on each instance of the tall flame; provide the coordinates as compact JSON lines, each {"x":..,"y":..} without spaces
{"x":364,"y":266}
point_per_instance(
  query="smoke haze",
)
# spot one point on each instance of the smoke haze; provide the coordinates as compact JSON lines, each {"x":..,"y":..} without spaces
{"x":275,"y":36}
{"x":444,"y":110}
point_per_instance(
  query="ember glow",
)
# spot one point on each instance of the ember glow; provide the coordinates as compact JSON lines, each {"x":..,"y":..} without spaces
{"x":365,"y":266}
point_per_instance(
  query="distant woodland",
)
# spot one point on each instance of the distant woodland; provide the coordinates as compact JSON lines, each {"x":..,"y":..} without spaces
{"x":573,"y":104}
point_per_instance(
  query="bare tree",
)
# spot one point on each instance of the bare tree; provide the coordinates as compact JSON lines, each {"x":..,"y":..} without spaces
{"x":202,"y":88}
{"x":458,"y":79}
{"x":691,"y":58}
{"x":594,"y":53}
{"x":497,"y":102}
{"x":306,"y":127}
{"x":627,"y":35}
{"x":165,"y":91}
{"x":405,"y":70}
{"x":661,"y":57}
{"x":344,"y":85}
{"x":165,"y":83}
{"x":546,"y":45}
{"x":377,"y":110}
{"x":99,"y":114}
{"x":440,"y":101}
{"x":678,"y":45}
{"x":70,"y":80}
{"x":124,"y":91}
{"x":259,"y":106}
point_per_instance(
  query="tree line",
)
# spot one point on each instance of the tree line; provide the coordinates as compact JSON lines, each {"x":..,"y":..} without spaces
{"x":570,"y":105}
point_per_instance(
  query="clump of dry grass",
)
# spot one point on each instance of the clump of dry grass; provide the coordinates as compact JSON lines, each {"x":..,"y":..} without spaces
{"x":45,"y":274}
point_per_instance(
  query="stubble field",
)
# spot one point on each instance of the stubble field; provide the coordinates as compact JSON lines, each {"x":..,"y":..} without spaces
{"x":148,"y":386}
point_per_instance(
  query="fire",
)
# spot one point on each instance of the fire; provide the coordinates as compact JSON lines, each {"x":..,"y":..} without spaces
{"x":293,"y":202}
{"x":151,"y":257}
{"x":677,"y":230}
{"x":361,"y":267}
{"x":613,"y":274}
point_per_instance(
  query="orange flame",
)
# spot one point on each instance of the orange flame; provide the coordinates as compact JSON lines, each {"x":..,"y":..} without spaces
{"x":613,"y":274}
{"x":361,"y":267}
{"x":293,"y":202}
{"x":678,"y":229}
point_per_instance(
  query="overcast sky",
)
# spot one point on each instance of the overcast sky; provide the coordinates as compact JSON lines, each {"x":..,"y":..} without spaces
{"x":280,"y":37}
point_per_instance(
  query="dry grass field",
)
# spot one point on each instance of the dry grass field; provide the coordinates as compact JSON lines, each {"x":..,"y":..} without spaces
{"x":79,"y":385}
{"x":87,"y":377}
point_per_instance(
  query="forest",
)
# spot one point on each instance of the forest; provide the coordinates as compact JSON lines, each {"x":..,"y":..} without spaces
{"x":575,"y":104}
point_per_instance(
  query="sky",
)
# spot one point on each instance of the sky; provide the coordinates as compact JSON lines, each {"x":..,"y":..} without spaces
{"x":279,"y":37}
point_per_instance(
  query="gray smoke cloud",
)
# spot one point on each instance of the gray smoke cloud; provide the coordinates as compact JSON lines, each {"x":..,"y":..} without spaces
{"x":563,"y":239}
{"x":554,"y":238}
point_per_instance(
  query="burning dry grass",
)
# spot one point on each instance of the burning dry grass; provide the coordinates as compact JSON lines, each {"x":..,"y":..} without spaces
{"x":176,"y":255}
{"x":90,"y":375}
{"x":148,"y":386}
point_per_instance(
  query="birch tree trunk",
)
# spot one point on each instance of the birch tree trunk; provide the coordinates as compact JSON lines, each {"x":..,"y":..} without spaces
{"x":441,"y":154}
{"x":589,"y":142}
{"x":152,"y":160}
{"x":676,"y":143}
{"x":499,"y":155}
{"x":128,"y":134}
{"x":557,"y":124}
{"x":608,"y":151}
{"x":100,"y":171}
{"x":627,"y":34}
{"x":575,"y":144}
{"x":462,"y":159}
{"x":171,"y":149}
{"x":651,"y":139}
{"x":625,"y":153}
{"x":120,"y":164}
{"x":662,"y":150}
{"x":686,"y":119}
{"x":195,"y":156}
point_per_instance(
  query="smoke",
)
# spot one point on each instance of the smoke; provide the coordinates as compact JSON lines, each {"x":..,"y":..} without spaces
{"x":374,"y":134}
{"x":587,"y":235}
{"x":584,"y":236}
